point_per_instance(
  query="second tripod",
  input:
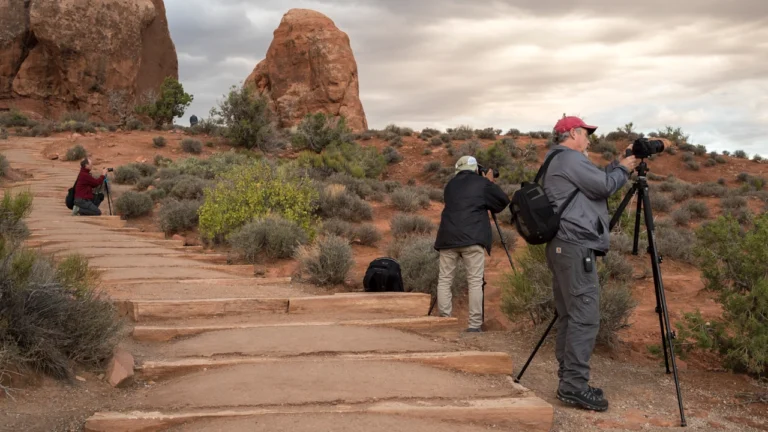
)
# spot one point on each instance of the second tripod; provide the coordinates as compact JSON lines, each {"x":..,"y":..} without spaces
{"x":640,"y":188}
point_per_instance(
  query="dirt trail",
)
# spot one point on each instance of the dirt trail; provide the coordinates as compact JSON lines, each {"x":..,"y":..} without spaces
{"x":369,"y":365}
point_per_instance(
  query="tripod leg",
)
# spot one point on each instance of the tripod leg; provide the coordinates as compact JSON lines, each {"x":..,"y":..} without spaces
{"x":503,"y":243}
{"x":637,"y":222}
{"x":432,"y":306}
{"x":661,"y":301}
{"x":535,"y":350}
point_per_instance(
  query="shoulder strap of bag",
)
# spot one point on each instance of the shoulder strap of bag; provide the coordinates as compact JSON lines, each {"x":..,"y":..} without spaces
{"x":545,"y":167}
{"x":568,"y":201}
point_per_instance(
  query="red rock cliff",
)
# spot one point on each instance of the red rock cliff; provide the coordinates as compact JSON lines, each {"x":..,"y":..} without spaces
{"x":310,"y":68}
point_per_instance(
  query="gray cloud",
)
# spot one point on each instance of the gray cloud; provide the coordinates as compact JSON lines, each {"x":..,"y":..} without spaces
{"x":695,"y":64}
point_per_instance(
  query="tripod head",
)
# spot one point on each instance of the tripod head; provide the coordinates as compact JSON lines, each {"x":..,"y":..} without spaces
{"x":642,"y":168}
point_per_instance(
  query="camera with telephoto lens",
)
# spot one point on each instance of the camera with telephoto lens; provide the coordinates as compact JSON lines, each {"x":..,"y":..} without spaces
{"x":110,"y":169}
{"x":483,"y":171}
{"x":643,"y":147}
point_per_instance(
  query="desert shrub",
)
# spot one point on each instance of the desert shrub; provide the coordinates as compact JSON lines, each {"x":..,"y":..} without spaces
{"x":710,"y":163}
{"x":133,"y":204}
{"x":469,"y":148}
{"x":445,"y":138}
{"x":350,"y":158}
{"x":427,"y":152}
{"x":178,"y":215}
{"x":336,"y":201}
{"x":171,"y":102}
{"x":157,"y":194}
{"x":360,"y":187}
{"x":700,"y":150}
{"x":698,"y":209}
{"x":496,"y":156}
{"x":144,"y":183}
{"x":367,"y":235}
{"x":514,"y":133}
{"x":673,"y":242}
{"x":42,"y":130}
{"x":733,"y":202}
{"x":403,"y":225}
{"x":127,"y":174}
{"x":272,"y":236}
{"x":757,"y":158}
{"x":710,"y":189}
{"x":740,"y":154}
{"x":436,"y":194}
{"x":5,"y":166}
{"x":162,"y":161}
{"x":75,"y":116}
{"x":681,"y":216}
{"x":234,"y":200}
{"x":402,"y":131}
{"x":247,"y":120}
{"x":688,"y":157}
{"x":409,"y":199}
{"x":76,"y":153}
{"x":394,"y":140}
{"x":528,"y":293}
{"x":435,"y":142}
{"x":51,"y":318}
{"x":428,"y":133}
{"x":338,"y":227}
{"x":190,"y":145}
{"x":671,"y":150}
{"x":733,"y":265}
{"x":742,"y":214}
{"x":721,"y":181}
{"x":604,"y":146}
{"x":487,"y":133}
{"x":317,"y":131}
{"x":461,"y":133}
{"x":391,"y":155}
{"x":158,"y":142}
{"x":661,"y":202}
{"x":187,"y":187}
{"x":14,"y":118}
{"x":608,"y":156}
{"x":621,"y":243}
{"x":433,"y":166}
{"x":420,"y":266}
{"x":509,"y":235}
{"x":682,"y":192}
{"x":693,"y":165}
{"x":720,"y":160}
{"x":327,"y":262}
{"x":742,"y":177}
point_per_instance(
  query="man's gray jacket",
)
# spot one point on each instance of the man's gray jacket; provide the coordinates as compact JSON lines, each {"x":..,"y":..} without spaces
{"x":586,"y":220}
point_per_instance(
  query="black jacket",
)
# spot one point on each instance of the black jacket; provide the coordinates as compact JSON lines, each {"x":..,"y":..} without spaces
{"x":465,"y":221}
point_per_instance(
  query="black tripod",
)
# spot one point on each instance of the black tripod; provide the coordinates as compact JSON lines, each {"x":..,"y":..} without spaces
{"x":640,"y":187}
{"x":109,"y":197}
{"x":506,"y":249}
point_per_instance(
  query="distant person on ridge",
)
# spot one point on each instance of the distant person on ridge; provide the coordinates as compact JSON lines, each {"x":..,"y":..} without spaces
{"x":193,"y":120}
{"x":86,"y":202}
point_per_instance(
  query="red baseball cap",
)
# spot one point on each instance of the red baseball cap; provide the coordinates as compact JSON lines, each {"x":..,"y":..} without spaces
{"x":565,"y":124}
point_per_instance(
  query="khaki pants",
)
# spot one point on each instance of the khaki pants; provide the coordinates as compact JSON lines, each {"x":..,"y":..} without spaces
{"x":474,"y":262}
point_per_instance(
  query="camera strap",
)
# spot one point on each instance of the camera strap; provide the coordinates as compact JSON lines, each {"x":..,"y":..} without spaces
{"x":543,"y":171}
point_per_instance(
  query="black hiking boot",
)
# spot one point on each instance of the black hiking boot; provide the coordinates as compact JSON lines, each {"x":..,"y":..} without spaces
{"x":587,"y":399}
{"x":598,"y":391}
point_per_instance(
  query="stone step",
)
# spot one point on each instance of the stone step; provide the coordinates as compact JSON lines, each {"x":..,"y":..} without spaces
{"x":523,"y":414}
{"x":156,"y":333}
{"x":476,"y":362}
{"x":212,"y":281}
{"x":403,"y":304}
{"x":154,"y":291}
{"x":140,"y":275}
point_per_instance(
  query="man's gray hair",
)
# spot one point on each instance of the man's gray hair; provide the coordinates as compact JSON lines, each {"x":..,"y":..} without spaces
{"x":560,"y":138}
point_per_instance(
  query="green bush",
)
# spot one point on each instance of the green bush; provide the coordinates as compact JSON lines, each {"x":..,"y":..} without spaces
{"x":496,"y":156}
{"x":710,"y":189}
{"x":700,"y":150}
{"x":673,"y":242}
{"x":529,"y":293}
{"x":349,"y":158}
{"x":420,"y":267}
{"x":336,"y":201}
{"x":710,"y":162}
{"x":178,"y":216}
{"x":190,"y":145}
{"x":158,"y":142}
{"x":433,"y":166}
{"x":318,"y":131}
{"x":327,"y":262}
{"x":461,"y":133}
{"x":698,"y":209}
{"x":134,"y":204}
{"x":188,"y":188}
{"x":487,"y":133}
{"x":248,"y":120}
{"x":428,"y":133}
{"x":338,"y":227}
{"x":144,"y":183}
{"x":401,"y":131}
{"x":410,"y":199}
{"x":733,"y":265}
{"x":364,"y":188}
{"x":272,"y":236}
{"x":682,"y":192}
{"x":740,"y":154}
{"x":14,"y":118}
{"x":76,"y":153}
{"x":171,"y":102}
{"x":435,"y":142}
{"x":661,"y":202}
{"x":693,"y":165}
{"x":252,"y":191}
{"x":733,"y":202}
{"x":75,"y":274}
{"x":403,"y":225}
{"x":757,"y":158}
{"x":5,"y":166}
{"x":604,"y":146}
{"x":514,"y":133}
{"x":681,"y":216}
{"x":162,"y":161}
{"x":367,"y":235}
{"x":688,"y":157}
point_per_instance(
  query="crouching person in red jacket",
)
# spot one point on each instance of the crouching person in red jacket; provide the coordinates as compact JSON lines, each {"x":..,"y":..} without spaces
{"x":86,"y":203}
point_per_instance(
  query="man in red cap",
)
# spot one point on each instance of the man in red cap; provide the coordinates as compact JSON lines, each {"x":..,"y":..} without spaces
{"x":583,"y":235}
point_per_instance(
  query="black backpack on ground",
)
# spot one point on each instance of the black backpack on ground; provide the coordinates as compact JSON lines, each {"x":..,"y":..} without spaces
{"x":70,"y":200}
{"x":533,"y":214}
{"x":383,"y":275}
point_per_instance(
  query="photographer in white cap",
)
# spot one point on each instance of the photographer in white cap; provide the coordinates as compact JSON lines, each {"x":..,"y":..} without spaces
{"x":465,"y":233}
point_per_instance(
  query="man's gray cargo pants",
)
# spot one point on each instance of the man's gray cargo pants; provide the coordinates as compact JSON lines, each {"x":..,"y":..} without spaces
{"x":577,"y":299}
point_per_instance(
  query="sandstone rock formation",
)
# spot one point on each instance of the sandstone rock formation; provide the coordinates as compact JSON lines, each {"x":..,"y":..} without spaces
{"x":61,"y":55}
{"x":310,"y":68}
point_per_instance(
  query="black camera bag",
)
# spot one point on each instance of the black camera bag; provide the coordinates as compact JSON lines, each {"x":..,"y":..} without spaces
{"x":533,"y":214}
{"x":70,"y":200}
{"x":383,"y":275}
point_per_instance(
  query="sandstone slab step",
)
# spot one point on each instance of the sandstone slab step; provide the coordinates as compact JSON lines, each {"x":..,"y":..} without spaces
{"x":476,"y":362}
{"x":212,"y":281}
{"x":420,"y":415}
{"x":409,"y":304}
{"x":154,"y":291}
{"x":167,"y":333}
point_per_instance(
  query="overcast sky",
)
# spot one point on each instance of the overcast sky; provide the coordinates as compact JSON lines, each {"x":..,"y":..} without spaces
{"x":698,"y":64}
